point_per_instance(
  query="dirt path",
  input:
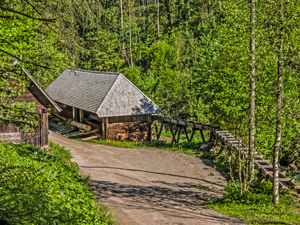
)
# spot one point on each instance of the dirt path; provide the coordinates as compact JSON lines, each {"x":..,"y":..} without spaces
{"x":144,"y":186}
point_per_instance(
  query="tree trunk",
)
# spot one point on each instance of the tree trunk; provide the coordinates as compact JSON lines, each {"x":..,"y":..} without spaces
{"x":158,"y":32}
{"x":278,"y":116}
{"x":167,"y":3}
{"x":148,"y":11}
{"x":122,"y":34}
{"x":130,"y":51}
{"x":252,"y":95}
{"x":179,"y":21}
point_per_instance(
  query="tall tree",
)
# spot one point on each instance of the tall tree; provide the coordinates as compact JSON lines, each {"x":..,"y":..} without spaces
{"x":158,"y":29}
{"x":252,"y":94}
{"x":279,"y":109}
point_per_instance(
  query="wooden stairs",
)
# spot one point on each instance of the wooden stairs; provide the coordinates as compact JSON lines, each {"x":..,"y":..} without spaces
{"x":263,"y":166}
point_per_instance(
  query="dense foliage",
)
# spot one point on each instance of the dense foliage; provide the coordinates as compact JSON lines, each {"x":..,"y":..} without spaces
{"x":191,"y":57}
{"x":39,"y":187}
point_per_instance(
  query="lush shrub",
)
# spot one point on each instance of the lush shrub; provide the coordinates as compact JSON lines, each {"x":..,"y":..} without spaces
{"x":255,"y":205}
{"x":39,"y":187}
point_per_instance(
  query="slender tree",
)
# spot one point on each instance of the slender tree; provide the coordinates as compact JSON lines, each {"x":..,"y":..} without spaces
{"x":130,"y":50}
{"x":122,"y":34}
{"x":252,"y":95}
{"x":279,"y":111}
{"x":158,"y":31}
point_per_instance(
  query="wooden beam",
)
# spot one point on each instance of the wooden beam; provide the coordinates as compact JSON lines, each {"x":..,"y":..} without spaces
{"x":174,"y":135}
{"x":186,"y":134}
{"x":202,"y":135}
{"x":178,"y":136}
{"x":74,"y":114}
{"x":81,"y":116}
{"x":106,"y":128}
{"x":192,"y":135}
{"x":160,"y":130}
{"x":103,"y":128}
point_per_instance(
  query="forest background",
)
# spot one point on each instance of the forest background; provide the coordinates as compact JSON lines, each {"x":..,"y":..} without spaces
{"x":192,"y":58}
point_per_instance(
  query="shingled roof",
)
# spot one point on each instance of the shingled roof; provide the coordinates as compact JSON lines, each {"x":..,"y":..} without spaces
{"x":103,"y":93}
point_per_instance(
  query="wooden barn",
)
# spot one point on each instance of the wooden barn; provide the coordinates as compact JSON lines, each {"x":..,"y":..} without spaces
{"x":33,"y":93}
{"x":122,"y":111}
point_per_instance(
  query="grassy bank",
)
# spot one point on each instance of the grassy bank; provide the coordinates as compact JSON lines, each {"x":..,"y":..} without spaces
{"x":39,"y":187}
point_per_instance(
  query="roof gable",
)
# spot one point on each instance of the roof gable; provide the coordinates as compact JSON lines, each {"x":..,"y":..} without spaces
{"x":124,"y":98}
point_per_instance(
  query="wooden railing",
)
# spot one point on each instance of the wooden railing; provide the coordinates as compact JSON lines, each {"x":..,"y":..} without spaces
{"x":226,"y":138}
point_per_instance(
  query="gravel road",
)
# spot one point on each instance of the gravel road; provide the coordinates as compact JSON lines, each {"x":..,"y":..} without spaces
{"x":145,"y":186}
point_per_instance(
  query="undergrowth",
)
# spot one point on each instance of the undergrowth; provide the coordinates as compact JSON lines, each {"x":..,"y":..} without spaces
{"x":39,"y":187}
{"x":255,"y":205}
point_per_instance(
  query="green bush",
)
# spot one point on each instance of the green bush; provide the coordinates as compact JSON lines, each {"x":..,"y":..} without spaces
{"x":39,"y":187}
{"x":255,"y":205}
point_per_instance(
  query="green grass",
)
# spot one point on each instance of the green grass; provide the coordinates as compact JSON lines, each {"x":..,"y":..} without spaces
{"x":187,"y":147}
{"x":260,"y":213}
{"x":39,"y":187}
{"x":255,"y":205}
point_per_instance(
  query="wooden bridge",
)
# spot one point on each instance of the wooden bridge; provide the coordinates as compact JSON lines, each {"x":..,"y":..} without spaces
{"x":226,"y":138}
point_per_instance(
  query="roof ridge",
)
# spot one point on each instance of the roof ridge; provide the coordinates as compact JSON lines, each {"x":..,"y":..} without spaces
{"x":92,"y":71}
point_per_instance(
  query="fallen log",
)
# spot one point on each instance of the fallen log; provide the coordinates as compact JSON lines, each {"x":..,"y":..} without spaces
{"x":61,"y":117}
{"x":92,"y":124}
{"x":75,"y":134}
{"x":81,"y":126}
{"x":80,"y":134}
{"x":90,"y":138}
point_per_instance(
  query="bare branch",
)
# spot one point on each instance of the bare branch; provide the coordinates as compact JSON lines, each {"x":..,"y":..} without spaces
{"x":22,"y":14}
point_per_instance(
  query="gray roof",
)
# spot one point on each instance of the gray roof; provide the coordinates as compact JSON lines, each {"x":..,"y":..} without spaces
{"x":103,"y":93}
{"x":39,"y":93}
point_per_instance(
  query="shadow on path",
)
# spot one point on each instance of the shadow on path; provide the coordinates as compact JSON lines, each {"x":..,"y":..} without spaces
{"x":145,"y":171}
{"x":176,"y":201}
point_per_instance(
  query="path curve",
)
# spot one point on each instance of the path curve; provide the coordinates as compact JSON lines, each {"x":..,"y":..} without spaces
{"x":146,"y":186}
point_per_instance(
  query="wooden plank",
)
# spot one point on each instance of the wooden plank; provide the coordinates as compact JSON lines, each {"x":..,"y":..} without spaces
{"x":12,"y":137}
{"x":192,"y":135}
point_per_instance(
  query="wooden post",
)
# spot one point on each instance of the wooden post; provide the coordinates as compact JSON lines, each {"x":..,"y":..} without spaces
{"x":81,"y":116}
{"x":106,"y":128}
{"x":202,"y":135}
{"x":103,"y":128}
{"x":75,"y":114}
{"x":150,"y":128}
{"x":186,"y":134}
{"x":178,"y":136}
{"x":174,"y":135}
{"x":156,"y":127}
{"x":44,"y":127}
{"x":193,"y":132}
{"x":162,"y":125}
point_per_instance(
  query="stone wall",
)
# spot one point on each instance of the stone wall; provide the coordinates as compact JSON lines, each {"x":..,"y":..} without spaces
{"x":139,"y":131}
